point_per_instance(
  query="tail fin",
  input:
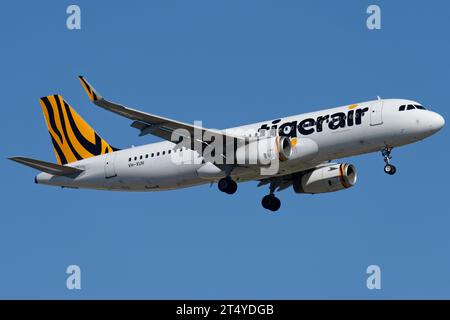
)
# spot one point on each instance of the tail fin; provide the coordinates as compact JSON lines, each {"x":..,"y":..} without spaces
{"x":73,"y":139}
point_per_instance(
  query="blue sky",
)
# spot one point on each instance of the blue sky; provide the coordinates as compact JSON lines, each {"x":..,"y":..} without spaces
{"x":226,"y":63}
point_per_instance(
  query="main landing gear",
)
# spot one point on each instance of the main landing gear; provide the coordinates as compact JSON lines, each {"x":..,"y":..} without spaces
{"x":270,"y":202}
{"x":388,"y":168}
{"x":227,"y":185}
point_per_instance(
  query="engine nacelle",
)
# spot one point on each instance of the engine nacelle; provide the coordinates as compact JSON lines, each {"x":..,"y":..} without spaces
{"x":329,"y":178}
{"x":264,"y":150}
{"x":303,"y":149}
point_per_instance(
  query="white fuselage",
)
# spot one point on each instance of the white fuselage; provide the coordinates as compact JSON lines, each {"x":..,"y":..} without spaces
{"x":151,"y":167}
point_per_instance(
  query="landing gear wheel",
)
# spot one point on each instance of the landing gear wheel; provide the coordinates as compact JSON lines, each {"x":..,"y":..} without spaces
{"x":227,"y":185}
{"x":232,"y":188}
{"x":390,"y":169}
{"x":270,"y":202}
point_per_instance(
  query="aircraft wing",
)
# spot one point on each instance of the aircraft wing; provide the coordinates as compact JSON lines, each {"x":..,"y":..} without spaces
{"x":152,"y":124}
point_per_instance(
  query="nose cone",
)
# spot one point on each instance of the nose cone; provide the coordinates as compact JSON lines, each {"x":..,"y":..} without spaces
{"x":438,"y":121}
{"x":431,"y":122}
{"x":427,"y":124}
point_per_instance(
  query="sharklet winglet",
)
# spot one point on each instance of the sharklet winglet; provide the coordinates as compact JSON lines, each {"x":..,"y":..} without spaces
{"x":91,"y":92}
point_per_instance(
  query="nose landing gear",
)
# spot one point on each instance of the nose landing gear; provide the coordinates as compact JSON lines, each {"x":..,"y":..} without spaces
{"x":388,"y":168}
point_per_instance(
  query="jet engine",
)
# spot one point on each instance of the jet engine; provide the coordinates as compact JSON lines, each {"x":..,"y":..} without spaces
{"x":329,"y":178}
{"x":264,"y":150}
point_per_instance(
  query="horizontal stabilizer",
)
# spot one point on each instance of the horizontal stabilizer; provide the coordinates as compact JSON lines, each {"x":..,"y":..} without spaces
{"x":48,"y":167}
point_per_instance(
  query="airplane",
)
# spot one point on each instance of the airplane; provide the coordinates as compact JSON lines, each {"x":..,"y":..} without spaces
{"x":300,"y":148}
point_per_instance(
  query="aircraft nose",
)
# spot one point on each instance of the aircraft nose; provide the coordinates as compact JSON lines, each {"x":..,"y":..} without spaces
{"x":427,"y":124}
{"x":438,"y":121}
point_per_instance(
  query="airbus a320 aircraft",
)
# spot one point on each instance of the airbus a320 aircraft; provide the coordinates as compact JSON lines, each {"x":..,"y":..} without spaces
{"x":301,"y":146}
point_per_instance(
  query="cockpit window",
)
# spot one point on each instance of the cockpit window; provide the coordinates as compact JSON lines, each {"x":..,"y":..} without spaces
{"x":411,"y":107}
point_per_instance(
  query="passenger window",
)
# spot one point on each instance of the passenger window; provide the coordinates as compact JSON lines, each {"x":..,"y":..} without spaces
{"x":170,"y":151}
{"x":140,"y":158}
{"x":402,"y":108}
{"x":157,"y":154}
{"x":135,"y":158}
{"x":164,"y":152}
{"x":410,"y":107}
{"x":146,"y":156}
{"x":153,"y":155}
{"x":129,"y":159}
